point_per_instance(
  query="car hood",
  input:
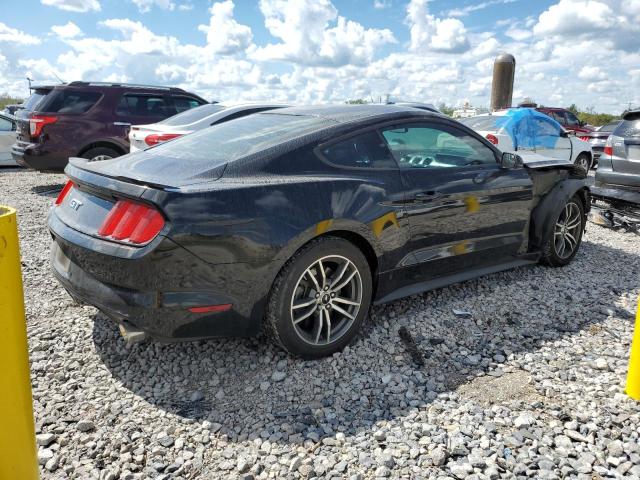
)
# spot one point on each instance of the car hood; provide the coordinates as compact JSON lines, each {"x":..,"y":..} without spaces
{"x":156,"y":170}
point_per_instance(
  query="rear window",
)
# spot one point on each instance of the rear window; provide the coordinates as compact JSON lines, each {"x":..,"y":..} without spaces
{"x":238,"y":138}
{"x":143,"y":106}
{"x":193,"y":115}
{"x":69,"y":101}
{"x":34,"y":99}
{"x":480,"y":123}
{"x":628,"y":128}
{"x":609,"y":127}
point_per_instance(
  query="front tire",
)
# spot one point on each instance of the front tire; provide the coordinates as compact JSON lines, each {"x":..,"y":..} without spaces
{"x":583,"y":161}
{"x":565,"y":235}
{"x":320,"y":298}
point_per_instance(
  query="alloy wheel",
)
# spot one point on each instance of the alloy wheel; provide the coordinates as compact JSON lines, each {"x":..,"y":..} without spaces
{"x":567,"y":230}
{"x":583,"y":162}
{"x":326,"y":300}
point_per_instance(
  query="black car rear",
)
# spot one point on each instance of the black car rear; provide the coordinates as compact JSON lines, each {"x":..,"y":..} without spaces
{"x":299,"y":218}
{"x":90,"y":120}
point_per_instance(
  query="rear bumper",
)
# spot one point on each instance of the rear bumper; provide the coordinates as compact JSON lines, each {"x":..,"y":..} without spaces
{"x":37,"y":157}
{"x":154,"y":293}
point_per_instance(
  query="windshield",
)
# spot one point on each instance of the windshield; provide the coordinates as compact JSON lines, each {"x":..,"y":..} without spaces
{"x":193,"y":115}
{"x":238,"y":138}
{"x":480,"y":123}
{"x":628,"y":128}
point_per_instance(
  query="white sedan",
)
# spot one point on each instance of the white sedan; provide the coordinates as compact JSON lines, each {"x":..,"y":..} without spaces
{"x":527,"y":130}
{"x":145,"y":136}
{"x":7,"y":139}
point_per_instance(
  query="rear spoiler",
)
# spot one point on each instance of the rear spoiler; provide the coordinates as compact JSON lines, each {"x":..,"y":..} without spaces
{"x":80,"y":172}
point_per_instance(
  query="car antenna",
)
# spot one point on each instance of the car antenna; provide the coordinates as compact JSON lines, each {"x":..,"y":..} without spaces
{"x":59,"y":79}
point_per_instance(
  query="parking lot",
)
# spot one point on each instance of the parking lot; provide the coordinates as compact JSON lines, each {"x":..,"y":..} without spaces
{"x":529,"y":383}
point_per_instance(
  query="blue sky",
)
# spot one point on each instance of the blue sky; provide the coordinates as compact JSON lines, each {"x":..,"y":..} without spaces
{"x":320,"y":51}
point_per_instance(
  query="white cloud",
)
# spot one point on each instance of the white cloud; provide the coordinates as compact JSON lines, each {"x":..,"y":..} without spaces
{"x":14,"y":36}
{"x":464,"y":11}
{"x":74,"y":5}
{"x":518,"y":34}
{"x":591,"y":73}
{"x":146,"y":5}
{"x":69,"y":30}
{"x":303,"y":26}
{"x":429,"y":32}
{"x":617,"y":21}
{"x":381,"y":4}
{"x":224,"y":34}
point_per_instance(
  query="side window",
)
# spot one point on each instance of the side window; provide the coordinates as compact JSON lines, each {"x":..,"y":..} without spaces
{"x":436,"y":146}
{"x":558,"y":117}
{"x":366,"y":150}
{"x":546,"y":128}
{"x":143,"y":106}
{"x":185,"y":103}
{"x":5,"y":125}
{"x":70,"y":101}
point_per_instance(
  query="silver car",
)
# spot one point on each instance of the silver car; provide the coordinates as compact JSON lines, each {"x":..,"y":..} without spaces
{"x":619,"y":163}
{"x":7,"y":139}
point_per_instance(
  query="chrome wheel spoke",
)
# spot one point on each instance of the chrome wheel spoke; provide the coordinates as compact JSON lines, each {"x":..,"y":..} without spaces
{"x":322,"y":273}
{"x":340,"y":274}
{"x":347,"y":280}
{"x":311,"y":301}
{"x":328,"y":315}
{"x":320,"y":323}
{"x":345,"y":301}
{"x":310,"y":274}
{"x":305,"y":315}
{"x":343,"y":312}
{"x":570,"y":240}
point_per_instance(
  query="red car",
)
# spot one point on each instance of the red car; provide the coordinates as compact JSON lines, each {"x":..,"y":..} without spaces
{"x":567,"y":119}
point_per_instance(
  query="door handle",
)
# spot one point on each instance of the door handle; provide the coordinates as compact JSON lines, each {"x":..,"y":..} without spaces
{"x":122,"y":124}
{"x":428,"y":195}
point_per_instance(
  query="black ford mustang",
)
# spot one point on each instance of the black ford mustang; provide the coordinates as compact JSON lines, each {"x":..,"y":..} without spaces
{"x":300,"y":218}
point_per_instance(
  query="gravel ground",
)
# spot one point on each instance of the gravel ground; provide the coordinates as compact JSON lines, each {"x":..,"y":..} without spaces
{"x":530,"y":384}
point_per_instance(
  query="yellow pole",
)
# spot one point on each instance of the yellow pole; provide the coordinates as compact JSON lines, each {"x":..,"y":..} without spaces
{"x":633,"y":377}
{"x":17,"y":436}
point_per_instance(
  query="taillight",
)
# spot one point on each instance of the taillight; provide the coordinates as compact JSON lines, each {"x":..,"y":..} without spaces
{"x":608,"y":147}
{"x":492,"y":138}
{"x":63,"y":193}
{"x":38,"y":122}
{"x":131,"y":222}
{"x":585,"y":138}
{"x":157,"y":138}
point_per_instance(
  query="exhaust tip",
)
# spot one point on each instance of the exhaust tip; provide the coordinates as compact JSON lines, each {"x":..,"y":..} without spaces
{"x":131,"y":334}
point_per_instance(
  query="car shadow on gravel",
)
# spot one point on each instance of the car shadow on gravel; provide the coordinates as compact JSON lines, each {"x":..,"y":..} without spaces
{"x":247,"y":387}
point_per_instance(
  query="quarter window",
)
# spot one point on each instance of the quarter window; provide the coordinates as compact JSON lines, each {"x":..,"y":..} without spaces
{"x":436,"y":146}
{"x":366,"y":150}
{"x":70,"y":101}
{"x":143,"y":106}
{"x":185,"y":103}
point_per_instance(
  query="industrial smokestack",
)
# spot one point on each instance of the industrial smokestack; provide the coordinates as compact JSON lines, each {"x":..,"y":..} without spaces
{"x":504,"y":69}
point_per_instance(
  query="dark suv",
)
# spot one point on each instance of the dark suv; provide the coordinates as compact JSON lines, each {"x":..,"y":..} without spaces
{"x":91,"y":120}
{"x":567,"y":119}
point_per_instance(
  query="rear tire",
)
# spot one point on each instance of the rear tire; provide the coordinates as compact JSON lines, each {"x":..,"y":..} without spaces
{"x":100,"y":153}
{"x":320,"y":298}
{"x":583,"y":161}
{"x":565,"y":235}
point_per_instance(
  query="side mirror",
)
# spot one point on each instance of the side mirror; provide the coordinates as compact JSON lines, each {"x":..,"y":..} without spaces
{"x":510,"y":160}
